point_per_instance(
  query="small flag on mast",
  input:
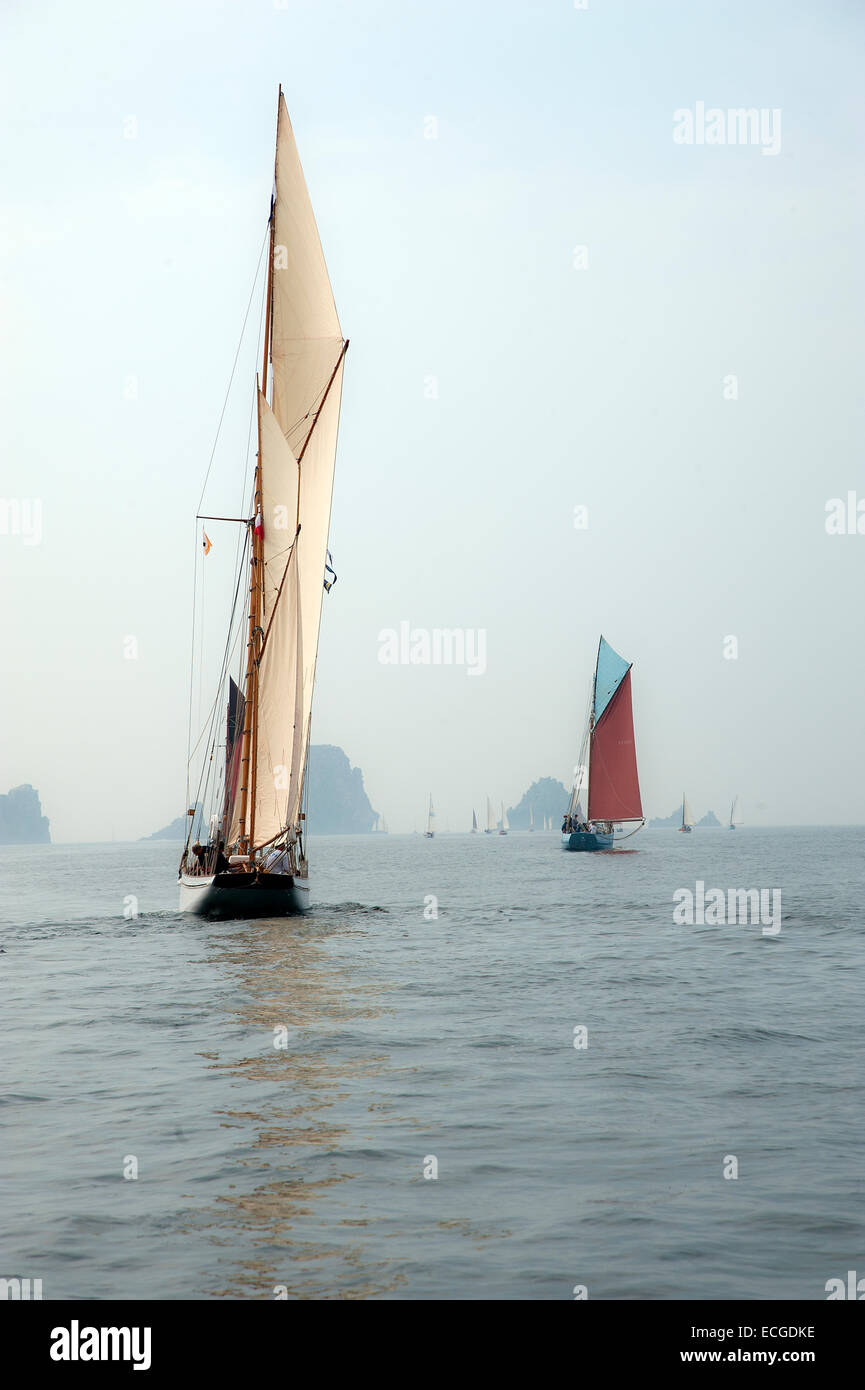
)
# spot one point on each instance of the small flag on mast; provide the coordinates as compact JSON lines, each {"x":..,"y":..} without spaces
{"x":329,"y":569}
{"x":258,"y":528}
{"x":206,"y":543}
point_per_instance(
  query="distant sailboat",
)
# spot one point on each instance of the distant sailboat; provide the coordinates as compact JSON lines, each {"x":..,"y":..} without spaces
{"x":531,"y":819}
{"x":609,"y":755}
{"x":735,"y":813}
{"x":474,"y":824}
{"x":504,"y":827}
{"x":429,"y":832}
{"x":490,"y":827}
{"x":687,"y":817}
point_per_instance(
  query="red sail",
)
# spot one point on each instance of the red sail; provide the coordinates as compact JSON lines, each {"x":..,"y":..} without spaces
{"x":614,"y":788}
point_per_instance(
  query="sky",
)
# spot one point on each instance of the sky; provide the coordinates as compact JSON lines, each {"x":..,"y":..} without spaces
{"x":552,"y":305}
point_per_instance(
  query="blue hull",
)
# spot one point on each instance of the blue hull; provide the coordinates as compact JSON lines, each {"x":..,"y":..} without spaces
{"x":585,"y":840}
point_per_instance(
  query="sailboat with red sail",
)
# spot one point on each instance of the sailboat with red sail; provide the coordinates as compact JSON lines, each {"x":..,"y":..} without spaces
{"x":607,"y":769}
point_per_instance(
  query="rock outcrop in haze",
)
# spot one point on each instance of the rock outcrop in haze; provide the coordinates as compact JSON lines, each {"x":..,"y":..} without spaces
{"x":21,"y":818}
{"x":338,"y":804}
{"x":546,"y":797}
{"x":709,"y":819}
{"x":177,"y":829}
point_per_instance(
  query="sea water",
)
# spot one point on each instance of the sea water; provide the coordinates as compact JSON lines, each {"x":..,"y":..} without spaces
{"x":480,"y":1068}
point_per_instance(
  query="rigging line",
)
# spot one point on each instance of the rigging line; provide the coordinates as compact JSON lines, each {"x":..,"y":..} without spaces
{"x":202,"y":629}
{"x":299,"y":460}
{"x":245,"y":478}
{"x":316,"y":399}
{"x":243,"y":537}
{"x":253,"y":406}
{"x":575,"y":790}
{"x":208,"y":723}
{"x":234,"y":365}
{"x":198,"y":509}
{"x":633,"y":832}
{"x":275,"y":556}
{"x":191,"y":671}
{"x":206,"y":726}
{"x":291,"y":552}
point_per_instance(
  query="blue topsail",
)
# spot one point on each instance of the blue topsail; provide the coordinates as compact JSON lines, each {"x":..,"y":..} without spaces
{"x":611,"y":671}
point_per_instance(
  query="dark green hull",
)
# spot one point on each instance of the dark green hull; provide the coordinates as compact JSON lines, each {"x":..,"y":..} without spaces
{"x":587,"y":840}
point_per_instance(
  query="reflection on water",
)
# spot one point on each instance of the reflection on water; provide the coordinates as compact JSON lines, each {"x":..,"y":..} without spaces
{"x":300,"y":1001}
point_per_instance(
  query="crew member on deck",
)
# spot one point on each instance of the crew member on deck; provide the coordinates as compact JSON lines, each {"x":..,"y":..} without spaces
{"x":277,"y":862}
{"x":220,"y":863}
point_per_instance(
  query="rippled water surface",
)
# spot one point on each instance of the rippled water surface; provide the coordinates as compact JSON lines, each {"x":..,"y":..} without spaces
{"x":407,"y":1038}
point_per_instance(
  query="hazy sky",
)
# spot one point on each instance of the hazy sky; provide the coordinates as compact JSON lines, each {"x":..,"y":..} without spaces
{"x":136,"y":171}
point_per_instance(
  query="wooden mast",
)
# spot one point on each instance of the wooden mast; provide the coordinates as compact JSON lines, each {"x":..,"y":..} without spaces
{"x":247,"y":707}
{"x":249,"y":753}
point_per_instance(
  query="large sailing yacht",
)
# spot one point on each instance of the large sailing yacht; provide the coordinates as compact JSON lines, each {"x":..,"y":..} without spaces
{"x":254,"y":779}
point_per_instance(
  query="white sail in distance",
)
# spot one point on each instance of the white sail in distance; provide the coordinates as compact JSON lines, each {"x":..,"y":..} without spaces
{"x":491,"y":816}
{"x":687,"y":813}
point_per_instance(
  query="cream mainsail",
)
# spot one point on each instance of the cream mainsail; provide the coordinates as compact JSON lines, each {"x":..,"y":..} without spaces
{"x":307,"y":339}
{"x":294,"y":487}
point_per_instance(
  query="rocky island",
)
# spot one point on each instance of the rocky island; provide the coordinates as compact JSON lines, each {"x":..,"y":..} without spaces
{"x":338,"y":804}
{"x":675,"y":818}
{"x":546,"y":797}
{"x":21,"y":818}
